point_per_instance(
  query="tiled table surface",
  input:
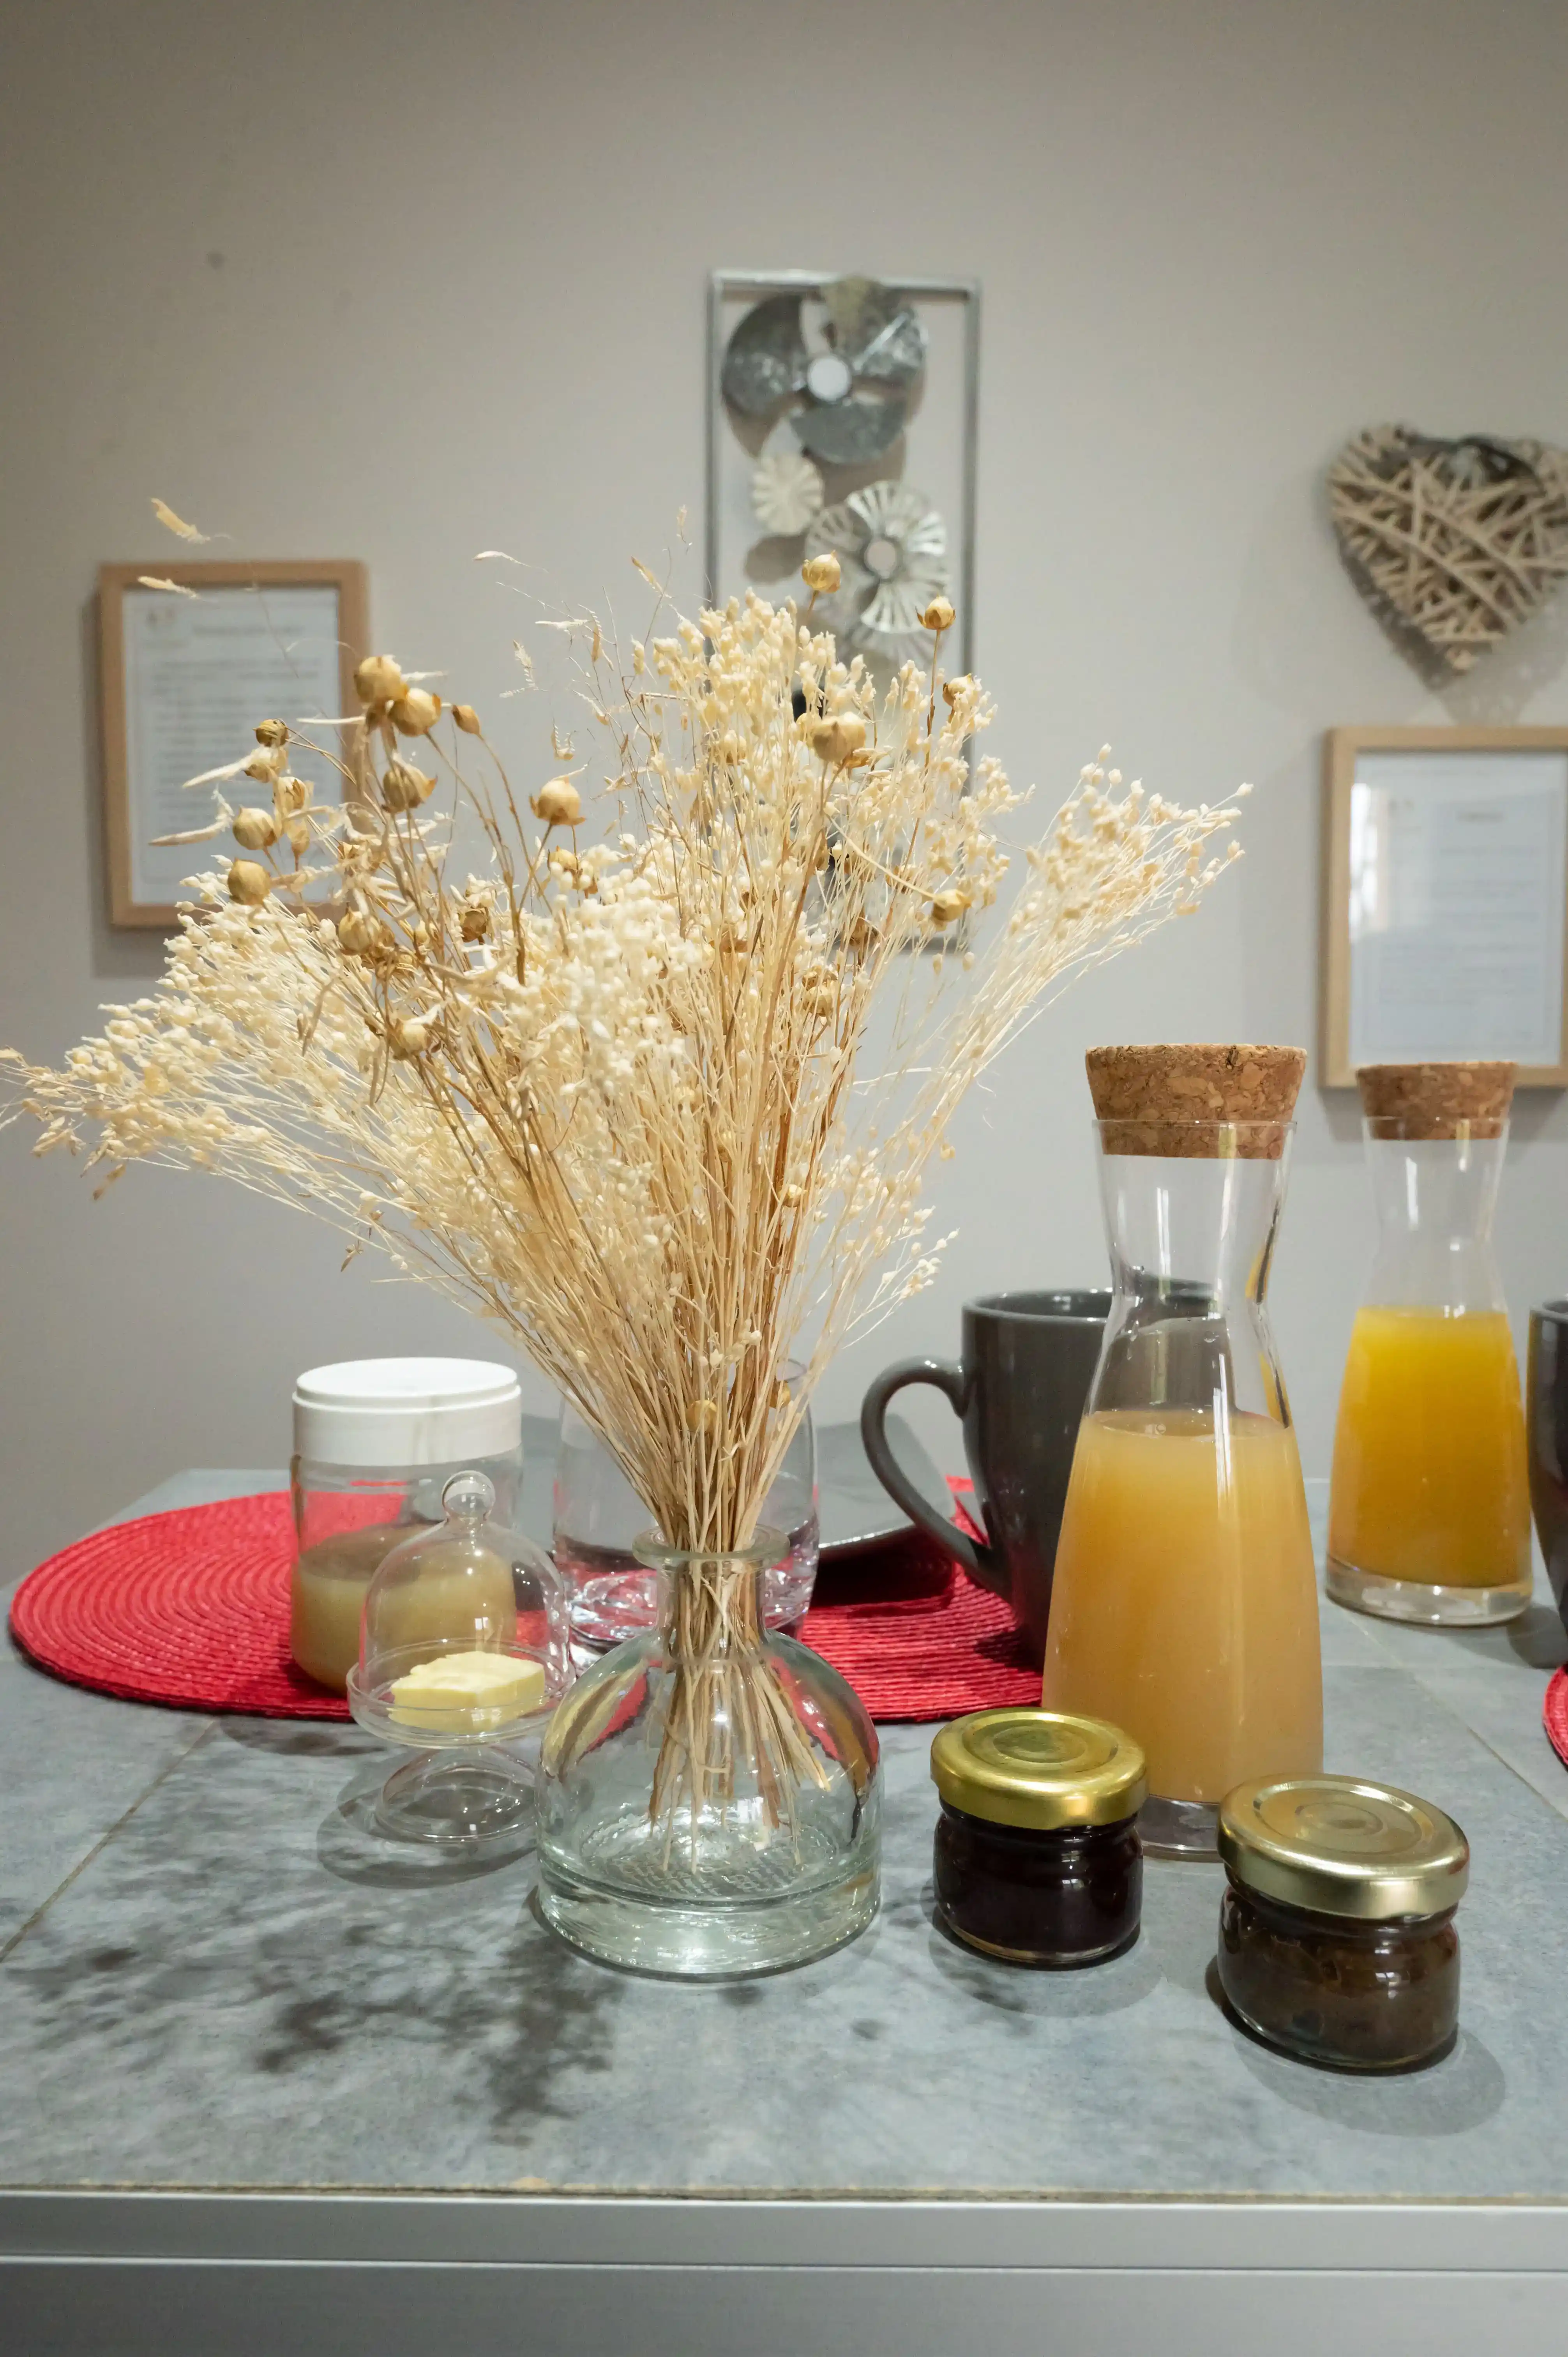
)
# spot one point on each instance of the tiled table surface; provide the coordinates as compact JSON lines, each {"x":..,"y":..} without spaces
{"x":211,"y":1979}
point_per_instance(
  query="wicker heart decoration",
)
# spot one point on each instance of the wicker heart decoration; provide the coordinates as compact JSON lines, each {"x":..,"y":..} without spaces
{"x":1458,"y":540}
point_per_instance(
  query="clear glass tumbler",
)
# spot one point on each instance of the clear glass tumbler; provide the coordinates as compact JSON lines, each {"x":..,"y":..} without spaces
{"x":1185,"y":1608}
{"x":1429,"y":1508}
{"x":599,"y":1522}
{"x":709,"y":1793}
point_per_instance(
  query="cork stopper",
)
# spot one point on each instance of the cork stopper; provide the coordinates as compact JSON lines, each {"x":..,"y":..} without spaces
{"x":1436,"y":1100}
{"x":1175,"y":1100}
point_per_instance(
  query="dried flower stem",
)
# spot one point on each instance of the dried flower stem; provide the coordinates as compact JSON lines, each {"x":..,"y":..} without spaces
{"x":607,"y":1092}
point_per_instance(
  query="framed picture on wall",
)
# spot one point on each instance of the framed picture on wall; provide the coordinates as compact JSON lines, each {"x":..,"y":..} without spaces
{"x":841,"y":419}
{"x":1446,"y":899}
{"x":191,"y":657}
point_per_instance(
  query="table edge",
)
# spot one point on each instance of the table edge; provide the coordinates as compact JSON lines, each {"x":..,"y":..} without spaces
{"x":1241,"y":2232}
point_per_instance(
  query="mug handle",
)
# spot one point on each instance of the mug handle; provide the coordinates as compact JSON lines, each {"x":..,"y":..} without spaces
{"x":985,"y":1569}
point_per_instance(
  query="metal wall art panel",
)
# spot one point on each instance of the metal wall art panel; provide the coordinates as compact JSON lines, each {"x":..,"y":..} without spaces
{"x":842,"y":416}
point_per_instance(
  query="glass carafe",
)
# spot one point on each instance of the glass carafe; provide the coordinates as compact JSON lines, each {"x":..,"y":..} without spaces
{"x":1429,"y":1509}
{"x":1185,"y":1608}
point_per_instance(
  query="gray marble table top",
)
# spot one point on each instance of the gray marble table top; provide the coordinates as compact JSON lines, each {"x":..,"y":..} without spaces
{"x":209,"y":1979}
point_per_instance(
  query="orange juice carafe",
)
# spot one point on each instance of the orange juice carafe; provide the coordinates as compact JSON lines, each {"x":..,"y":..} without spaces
{"x":1429,"y":1508}
{"x":1185,"y":1602}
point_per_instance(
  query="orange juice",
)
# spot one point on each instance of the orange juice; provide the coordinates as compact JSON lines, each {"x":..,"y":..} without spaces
{"x":1430,"y":1479}
{"x":1185,"y":1604}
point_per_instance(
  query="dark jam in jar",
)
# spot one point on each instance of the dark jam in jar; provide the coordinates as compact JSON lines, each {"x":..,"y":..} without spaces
{"x":1361,"y":1996}
{"x":1337,"y":1938}
{"x":1071,"y":1897}
{"x":1037,"y":1860}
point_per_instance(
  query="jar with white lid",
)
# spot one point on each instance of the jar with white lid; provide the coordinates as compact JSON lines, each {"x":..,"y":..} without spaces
{"x":375,"y":1442}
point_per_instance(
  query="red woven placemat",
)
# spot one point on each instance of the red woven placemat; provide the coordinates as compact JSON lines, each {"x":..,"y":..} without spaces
{"x":191,"y":1609}
{"x":188,"y":1608}
{"x":1554,"y":1714}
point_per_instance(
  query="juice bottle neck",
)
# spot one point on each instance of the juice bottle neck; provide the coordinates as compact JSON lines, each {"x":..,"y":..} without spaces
{"x":1191,"y":1243}
{"x":1436,"y":1200}
{"x":1188,"y":1233}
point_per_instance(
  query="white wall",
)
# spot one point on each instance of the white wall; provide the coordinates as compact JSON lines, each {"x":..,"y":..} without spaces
{"x":400,"y":281}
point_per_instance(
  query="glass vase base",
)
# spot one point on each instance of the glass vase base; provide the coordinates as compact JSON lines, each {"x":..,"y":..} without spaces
{"x":700,"y":1934}
{"x":453,"y":1798}
{"x":1423,"y":1602}
{"x":1179,"y":1829}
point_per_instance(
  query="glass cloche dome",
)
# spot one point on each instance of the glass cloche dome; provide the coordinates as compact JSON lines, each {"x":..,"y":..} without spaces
{"x":463,"y":1656}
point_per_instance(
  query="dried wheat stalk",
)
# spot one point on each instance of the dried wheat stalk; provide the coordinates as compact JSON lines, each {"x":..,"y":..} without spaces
{"x":609,"y":1092}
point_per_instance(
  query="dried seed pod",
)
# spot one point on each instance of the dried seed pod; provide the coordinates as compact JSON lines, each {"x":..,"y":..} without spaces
{"x":408,"y":1037}
{"x":467,"y":720}
{"x":417,"y":714}
{"x":297,"y":830}
{"x":948,"y":906}
{"x":272,"y":732}
{"x":289,"y":795}
{"x":861,"y":938}
{"x":249,"y":883}
{"x":835,"y":740}
{"x":404,"y":788}
{"x":475,"y":920}
{"x":702,"y":1416}
{"x":938,"y":615}
{"x":821,"y":574}
{"x":558,"y":803}
{"x":255,"y":830}
{"x":418,"y":933}
{"x":378,"y":680}
{"x":358,"y":932}
{"x":264,"y":767}
{"x":953,"y":688}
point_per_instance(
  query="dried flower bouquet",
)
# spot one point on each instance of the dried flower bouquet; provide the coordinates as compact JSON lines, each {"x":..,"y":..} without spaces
{"x":613,"y":1090}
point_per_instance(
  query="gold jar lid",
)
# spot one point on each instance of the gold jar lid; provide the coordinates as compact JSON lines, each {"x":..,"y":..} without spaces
{"x":1344,"y":1845}
{"x":1040,"y":1768}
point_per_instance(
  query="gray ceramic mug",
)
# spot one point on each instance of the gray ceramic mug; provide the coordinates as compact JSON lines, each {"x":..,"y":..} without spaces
{"x":1546,"y":1423}
{"x":1021,"y":1388}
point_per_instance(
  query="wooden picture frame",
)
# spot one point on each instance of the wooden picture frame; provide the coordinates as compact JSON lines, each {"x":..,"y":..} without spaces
{"x":127,"y":790}
{"x":1444,"y":899}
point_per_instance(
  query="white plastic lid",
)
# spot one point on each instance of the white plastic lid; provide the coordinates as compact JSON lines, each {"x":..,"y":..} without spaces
{"x":386,"y":1412}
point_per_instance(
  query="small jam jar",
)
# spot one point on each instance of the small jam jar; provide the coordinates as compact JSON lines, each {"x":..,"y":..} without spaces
{"x":1336,"y":1939}
{"x":1037,"y":1857}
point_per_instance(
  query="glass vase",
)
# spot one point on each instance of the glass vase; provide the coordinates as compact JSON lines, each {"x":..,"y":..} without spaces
{"x":1185,"y":1604}
{"x":709,"y":1792}
{"x":1429,"y":1504}
{"x":599,"y":1521}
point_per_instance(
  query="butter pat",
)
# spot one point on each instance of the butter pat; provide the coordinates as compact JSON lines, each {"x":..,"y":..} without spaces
{"x":464,"y":1694}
